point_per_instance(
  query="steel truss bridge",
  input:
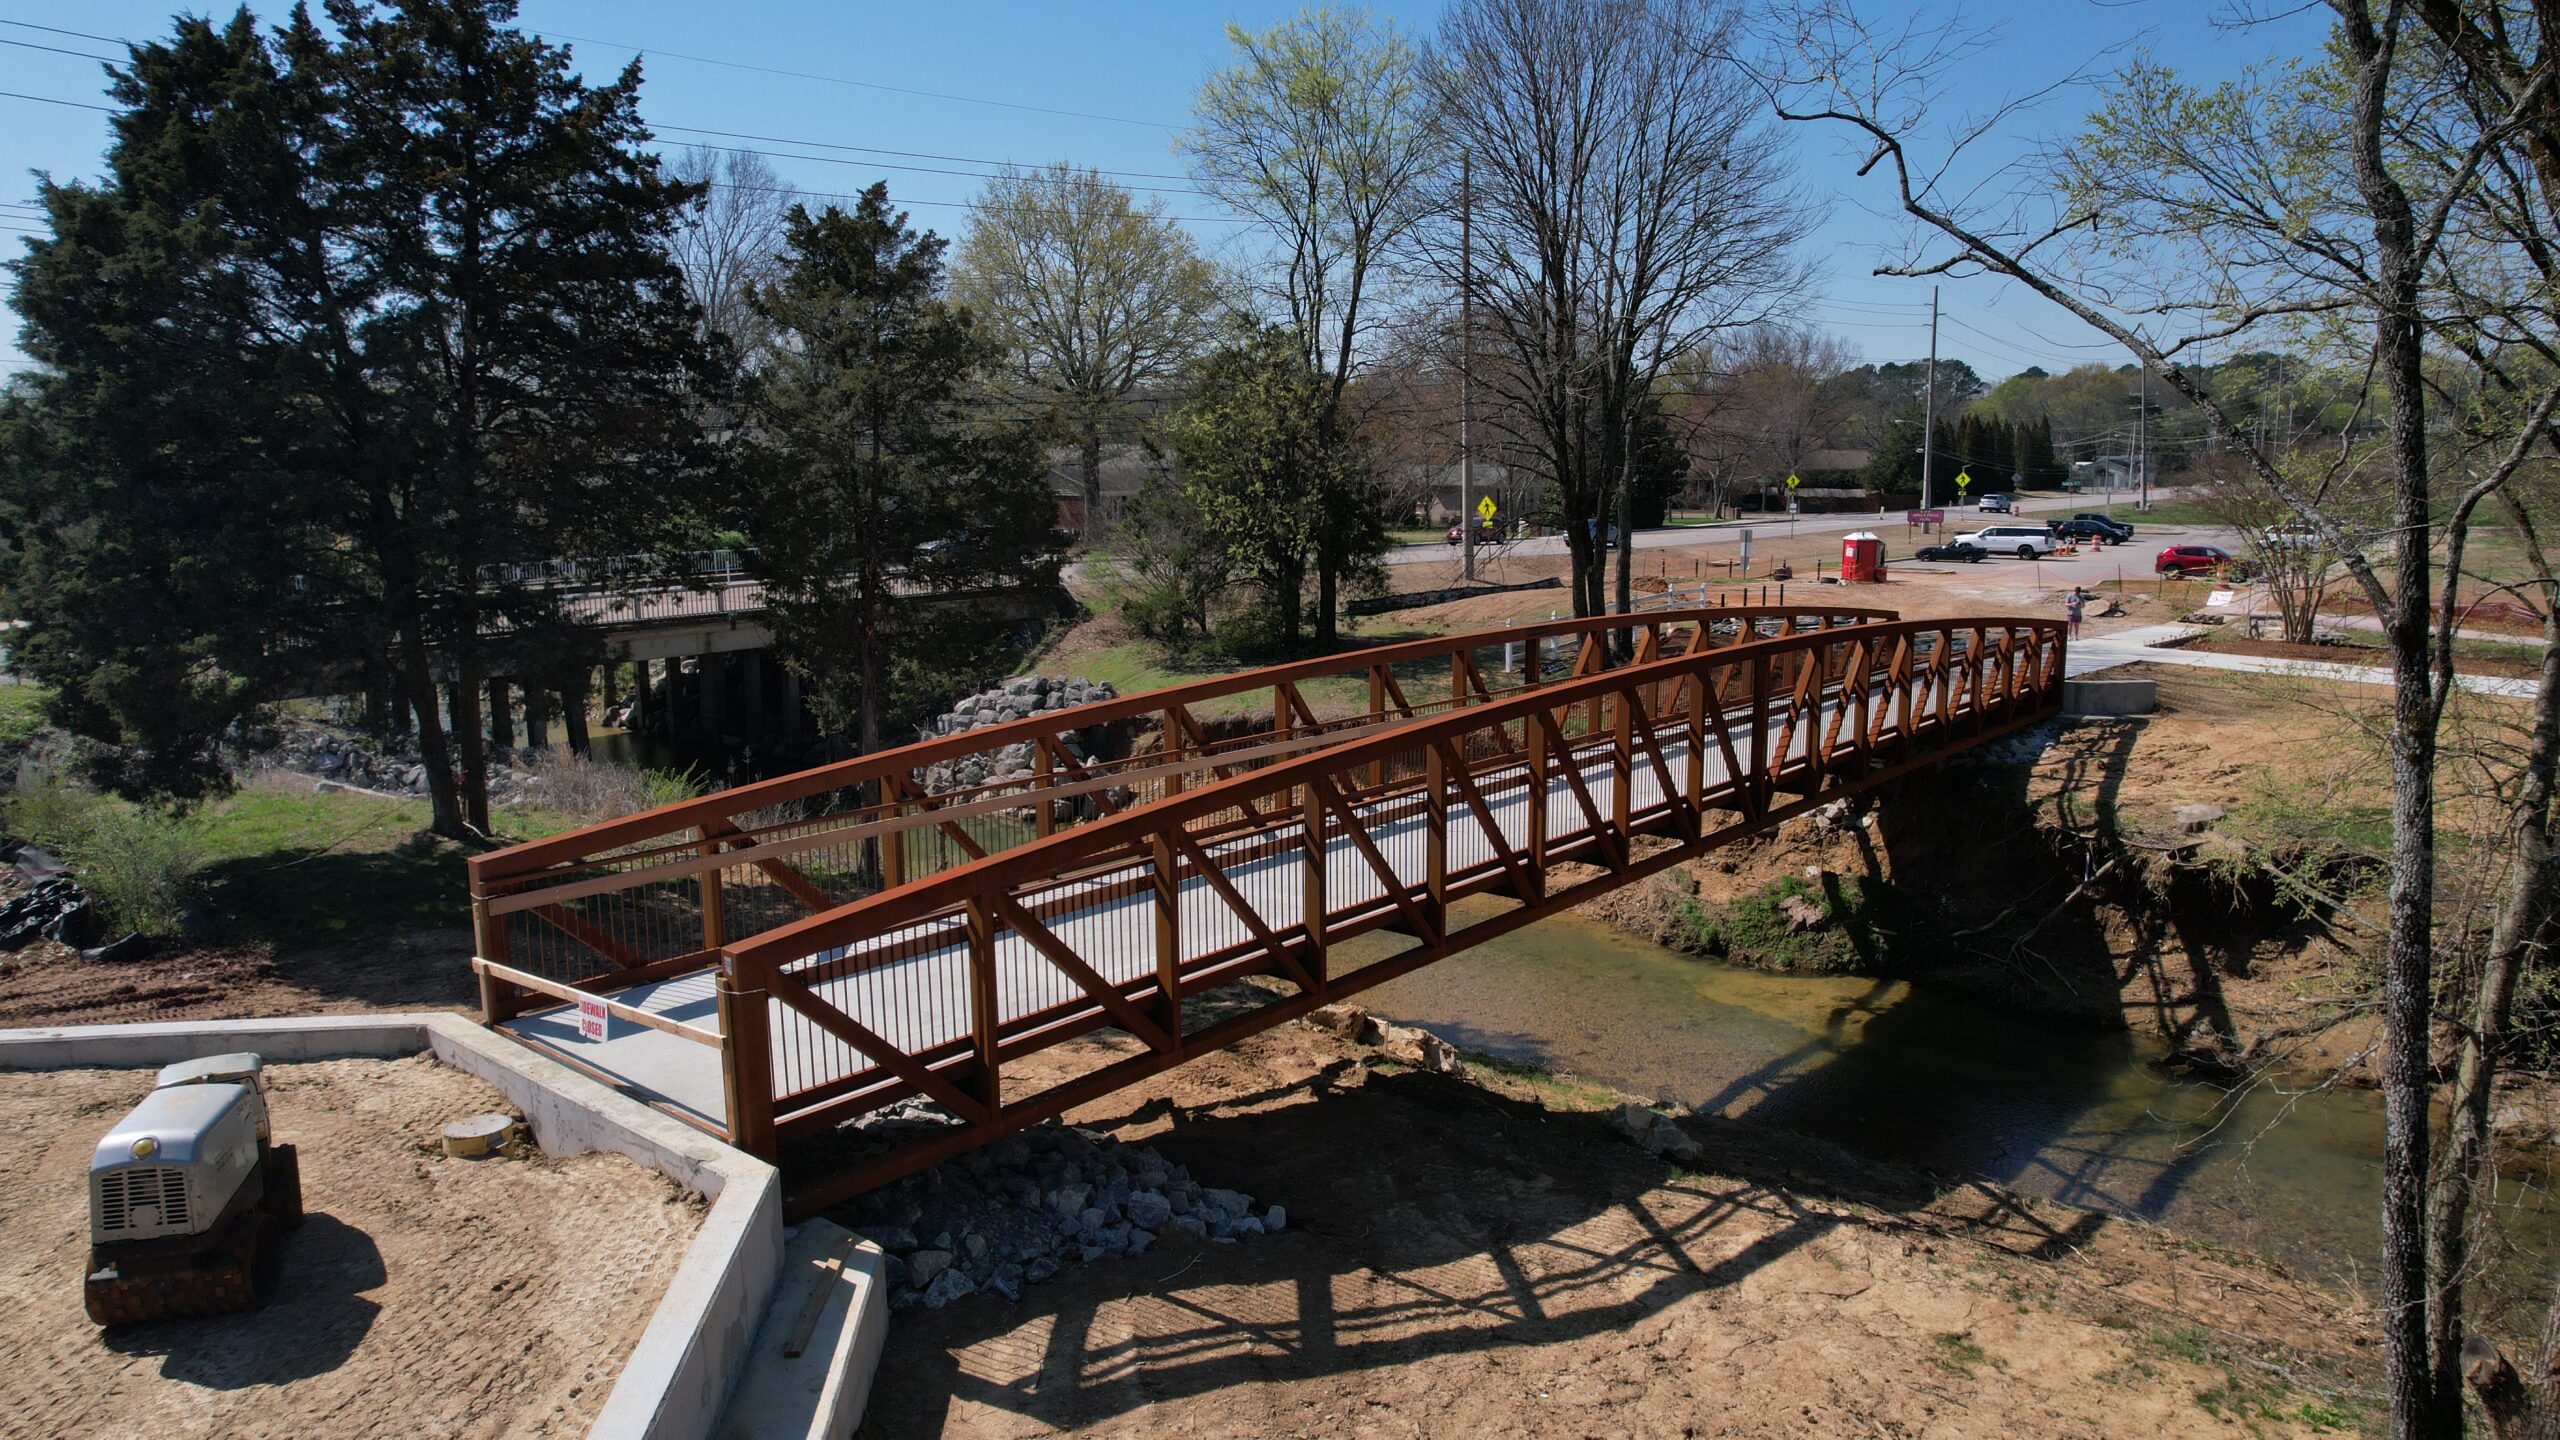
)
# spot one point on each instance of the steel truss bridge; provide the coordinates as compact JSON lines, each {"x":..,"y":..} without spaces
{"x":771,"y":962}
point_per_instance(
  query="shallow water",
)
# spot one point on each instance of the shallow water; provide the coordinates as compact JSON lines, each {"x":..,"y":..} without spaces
{"x":1932,"y":1080}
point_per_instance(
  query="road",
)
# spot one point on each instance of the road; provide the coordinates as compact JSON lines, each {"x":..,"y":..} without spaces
{"x":1763,"y":527}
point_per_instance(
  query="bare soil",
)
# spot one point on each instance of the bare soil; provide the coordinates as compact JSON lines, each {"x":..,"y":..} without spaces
{"x":1481,"y":1256}
{"x":401,"y":970}
{"x":2226,"y":644}
{"x":422,"y":1296}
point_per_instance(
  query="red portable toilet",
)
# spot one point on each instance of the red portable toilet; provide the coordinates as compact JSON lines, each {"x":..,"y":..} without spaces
{"x":1861,"y":558}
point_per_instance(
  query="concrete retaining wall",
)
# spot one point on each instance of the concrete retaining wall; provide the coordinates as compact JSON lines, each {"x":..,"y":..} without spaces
{"x":677,"y":1380}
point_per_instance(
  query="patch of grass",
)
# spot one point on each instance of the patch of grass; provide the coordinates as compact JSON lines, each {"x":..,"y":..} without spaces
{"x":21,"y":716}
{"x":1957,"y":1354}
{"x":1868,"y":926}
{"x":1566,"y":1092}
{"x":2246,"y":1395}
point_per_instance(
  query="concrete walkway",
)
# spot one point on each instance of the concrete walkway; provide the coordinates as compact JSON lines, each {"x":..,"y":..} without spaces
{"x":2139,"y":646}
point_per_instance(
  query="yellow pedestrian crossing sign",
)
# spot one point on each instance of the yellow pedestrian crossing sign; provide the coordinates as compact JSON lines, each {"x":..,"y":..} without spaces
{"x":1792,"y":481}
{"x":1964,"y":478}
{"x":1484,"y":508}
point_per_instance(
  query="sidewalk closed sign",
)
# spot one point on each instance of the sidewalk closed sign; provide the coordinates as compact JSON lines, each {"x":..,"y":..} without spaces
{"x":591,"y":1018}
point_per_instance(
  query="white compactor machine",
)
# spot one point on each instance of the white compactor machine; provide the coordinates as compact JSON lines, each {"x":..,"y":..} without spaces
{"x":189,"y":1198}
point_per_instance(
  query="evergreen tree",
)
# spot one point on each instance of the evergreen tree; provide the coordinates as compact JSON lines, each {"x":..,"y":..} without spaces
{"x":876,"y":486}
{"x":1259,"y":461}
{"x":349,"y":326}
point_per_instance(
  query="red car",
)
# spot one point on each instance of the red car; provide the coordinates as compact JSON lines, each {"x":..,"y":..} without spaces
{"x":2186,"y":560}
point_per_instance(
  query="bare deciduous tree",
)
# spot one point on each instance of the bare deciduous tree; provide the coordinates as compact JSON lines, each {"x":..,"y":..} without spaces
{"x":1321,"y":132}
{"x":732,"y":239}
{"x":1631,"y":201}
{"x":1093,"y":296}
{"x":2396,"y":191}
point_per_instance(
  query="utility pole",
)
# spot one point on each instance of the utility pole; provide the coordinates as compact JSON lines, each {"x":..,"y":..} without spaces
{"x":2142,"y":435}
{"x":1467,"y":357}
{"x":1929,"y":404}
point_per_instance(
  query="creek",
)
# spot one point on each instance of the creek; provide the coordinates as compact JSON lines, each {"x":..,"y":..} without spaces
{"x":1940,"y":1082}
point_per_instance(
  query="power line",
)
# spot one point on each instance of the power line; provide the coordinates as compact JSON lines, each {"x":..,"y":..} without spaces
{"x":902,"y":154}
{"x":58,"y":50}
{"x":889,"y":165}
{"x":74,"y":34}
{"x":862,"y":84}
{"x":49,"y":100}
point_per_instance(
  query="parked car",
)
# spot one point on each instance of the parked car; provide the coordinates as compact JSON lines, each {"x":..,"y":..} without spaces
{"x":2118,"y":532}
{"x":1486,"y":533}
{"x":2025,"y":541}
{"x":1996,"y":503}
{"x":2184,"y":561}
{"x":1969,"y":553}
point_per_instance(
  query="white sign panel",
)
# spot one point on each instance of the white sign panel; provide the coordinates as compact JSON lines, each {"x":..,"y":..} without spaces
{"x":592,"y":1019}
{"x":2221,"y":598}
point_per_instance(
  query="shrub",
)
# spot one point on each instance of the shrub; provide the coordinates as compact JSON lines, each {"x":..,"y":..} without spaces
{"x":1253,"y":633}
{"x":138,"y":865}
{"x":588,"y":790}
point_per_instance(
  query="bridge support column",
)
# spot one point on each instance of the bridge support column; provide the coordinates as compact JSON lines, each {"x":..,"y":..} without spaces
{"x":791,"y":705}
{"x":715,"y":694}
{"x":573,"y":714}
{"x":502,"y":724}
{"x":667,"y":695}
{"x":639,"y":694}
{"x":751,"y":678}
{"x":537,"y":718}
{"x":610,"y":698}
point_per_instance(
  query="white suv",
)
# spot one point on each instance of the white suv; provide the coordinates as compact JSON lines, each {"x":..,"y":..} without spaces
{"x":2024,"y":541}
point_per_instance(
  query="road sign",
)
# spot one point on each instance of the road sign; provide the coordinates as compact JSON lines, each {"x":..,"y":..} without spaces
{"x":1792,"y":481}
{"x":1484,"y":507}
{"x":594,"y":1021}
{"x":1963,"y":479}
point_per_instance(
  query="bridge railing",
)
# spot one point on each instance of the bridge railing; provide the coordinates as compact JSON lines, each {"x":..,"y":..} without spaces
{"x":933,"y":988}
{"x":659,"y":893}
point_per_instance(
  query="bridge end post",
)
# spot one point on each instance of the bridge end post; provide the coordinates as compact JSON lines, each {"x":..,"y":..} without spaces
{"x":746,"y":1063}
{"x":1312,"y":901}
{"x":499,"y":1001}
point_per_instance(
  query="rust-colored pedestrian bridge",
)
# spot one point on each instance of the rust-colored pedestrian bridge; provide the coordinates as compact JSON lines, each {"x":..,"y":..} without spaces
{"x":772,"y":963}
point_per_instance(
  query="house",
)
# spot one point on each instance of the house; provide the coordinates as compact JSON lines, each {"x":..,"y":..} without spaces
{"x":1124,"y":469}
{"x":1441,"y":500}
{"x":2113,"y":472}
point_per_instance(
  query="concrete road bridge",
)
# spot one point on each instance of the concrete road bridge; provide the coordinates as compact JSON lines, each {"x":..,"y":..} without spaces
{"x":775,"y":962}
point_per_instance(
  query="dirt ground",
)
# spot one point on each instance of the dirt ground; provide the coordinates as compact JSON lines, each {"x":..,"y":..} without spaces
{"x":1471,"y":1256}
{"x":422,"y":1296}
{"x":403,"y":970}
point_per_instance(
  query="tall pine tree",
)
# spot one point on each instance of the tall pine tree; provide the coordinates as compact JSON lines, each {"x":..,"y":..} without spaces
{"x":877,"y":480}
{"x":348,"y":326}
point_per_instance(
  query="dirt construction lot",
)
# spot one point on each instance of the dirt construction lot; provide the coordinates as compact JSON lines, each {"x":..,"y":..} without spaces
{"x":423,"y":1296}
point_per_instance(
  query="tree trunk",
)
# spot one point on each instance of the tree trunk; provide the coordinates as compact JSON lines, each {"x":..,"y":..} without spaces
{"x":573,"y":714}
{"x":418,"y":694}
{"x":474,"y":780}
{"x":2519,"y":932}
{"x":1089,"y":461}
{"x":1328,"y":579}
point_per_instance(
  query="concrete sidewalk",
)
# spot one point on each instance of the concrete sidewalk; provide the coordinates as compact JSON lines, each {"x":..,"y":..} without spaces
{"x":2140,"y":646}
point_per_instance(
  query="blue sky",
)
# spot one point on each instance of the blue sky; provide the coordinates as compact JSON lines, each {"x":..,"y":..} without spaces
{"x":1127,"y":71}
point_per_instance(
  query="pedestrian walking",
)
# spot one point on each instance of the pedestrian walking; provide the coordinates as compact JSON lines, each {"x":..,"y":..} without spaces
{"x":2072,"y":605}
